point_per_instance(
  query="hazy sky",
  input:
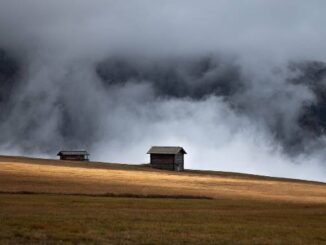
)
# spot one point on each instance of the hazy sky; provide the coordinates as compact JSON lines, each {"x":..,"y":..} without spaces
{"x":150,"y":47}
{"x":281,"y":29}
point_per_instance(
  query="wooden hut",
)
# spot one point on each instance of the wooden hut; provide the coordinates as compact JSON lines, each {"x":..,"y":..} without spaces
{"x":74,"y":155}
{"x":167,"y":157}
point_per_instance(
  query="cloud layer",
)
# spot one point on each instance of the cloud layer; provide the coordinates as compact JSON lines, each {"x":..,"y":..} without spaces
{"x":229,"y":81}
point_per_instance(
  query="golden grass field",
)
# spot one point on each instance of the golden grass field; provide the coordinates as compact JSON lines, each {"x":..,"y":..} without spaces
{"x":101,"y":205}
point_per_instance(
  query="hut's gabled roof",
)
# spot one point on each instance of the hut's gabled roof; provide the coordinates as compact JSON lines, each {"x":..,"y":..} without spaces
{"x":166,"y":150}
{"x":72,"y":153}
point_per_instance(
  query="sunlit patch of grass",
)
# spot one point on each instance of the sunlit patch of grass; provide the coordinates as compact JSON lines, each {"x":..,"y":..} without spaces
{"x":20,"y":175}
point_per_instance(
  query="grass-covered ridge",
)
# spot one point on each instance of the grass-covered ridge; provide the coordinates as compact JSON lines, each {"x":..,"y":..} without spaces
{"x":22,"y":175}
{"x":57,"y":202}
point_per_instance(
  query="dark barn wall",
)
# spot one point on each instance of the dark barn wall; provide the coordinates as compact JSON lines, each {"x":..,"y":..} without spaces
{"x":162,"y":161}
{"x":179,"y":161}
{"x":73,"y":158}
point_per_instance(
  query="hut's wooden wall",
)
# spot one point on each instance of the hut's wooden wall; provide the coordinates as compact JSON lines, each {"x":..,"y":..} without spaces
{"x":162,"y":161}
{"x":73,"y":157}
{"x":179,"y":162}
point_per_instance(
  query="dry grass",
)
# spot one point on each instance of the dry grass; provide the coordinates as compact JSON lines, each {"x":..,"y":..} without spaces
{"x":50,"y":176}
{"x":246,"y":209}
{"x":54,"y":219}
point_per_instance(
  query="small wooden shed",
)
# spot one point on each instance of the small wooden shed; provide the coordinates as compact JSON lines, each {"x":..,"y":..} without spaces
{"x":167,"y":157}
{"x":74,"y":155}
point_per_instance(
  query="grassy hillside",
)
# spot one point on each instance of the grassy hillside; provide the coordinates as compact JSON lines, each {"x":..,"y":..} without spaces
{"x":52,"y":176}
{"x":239,"y":209}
